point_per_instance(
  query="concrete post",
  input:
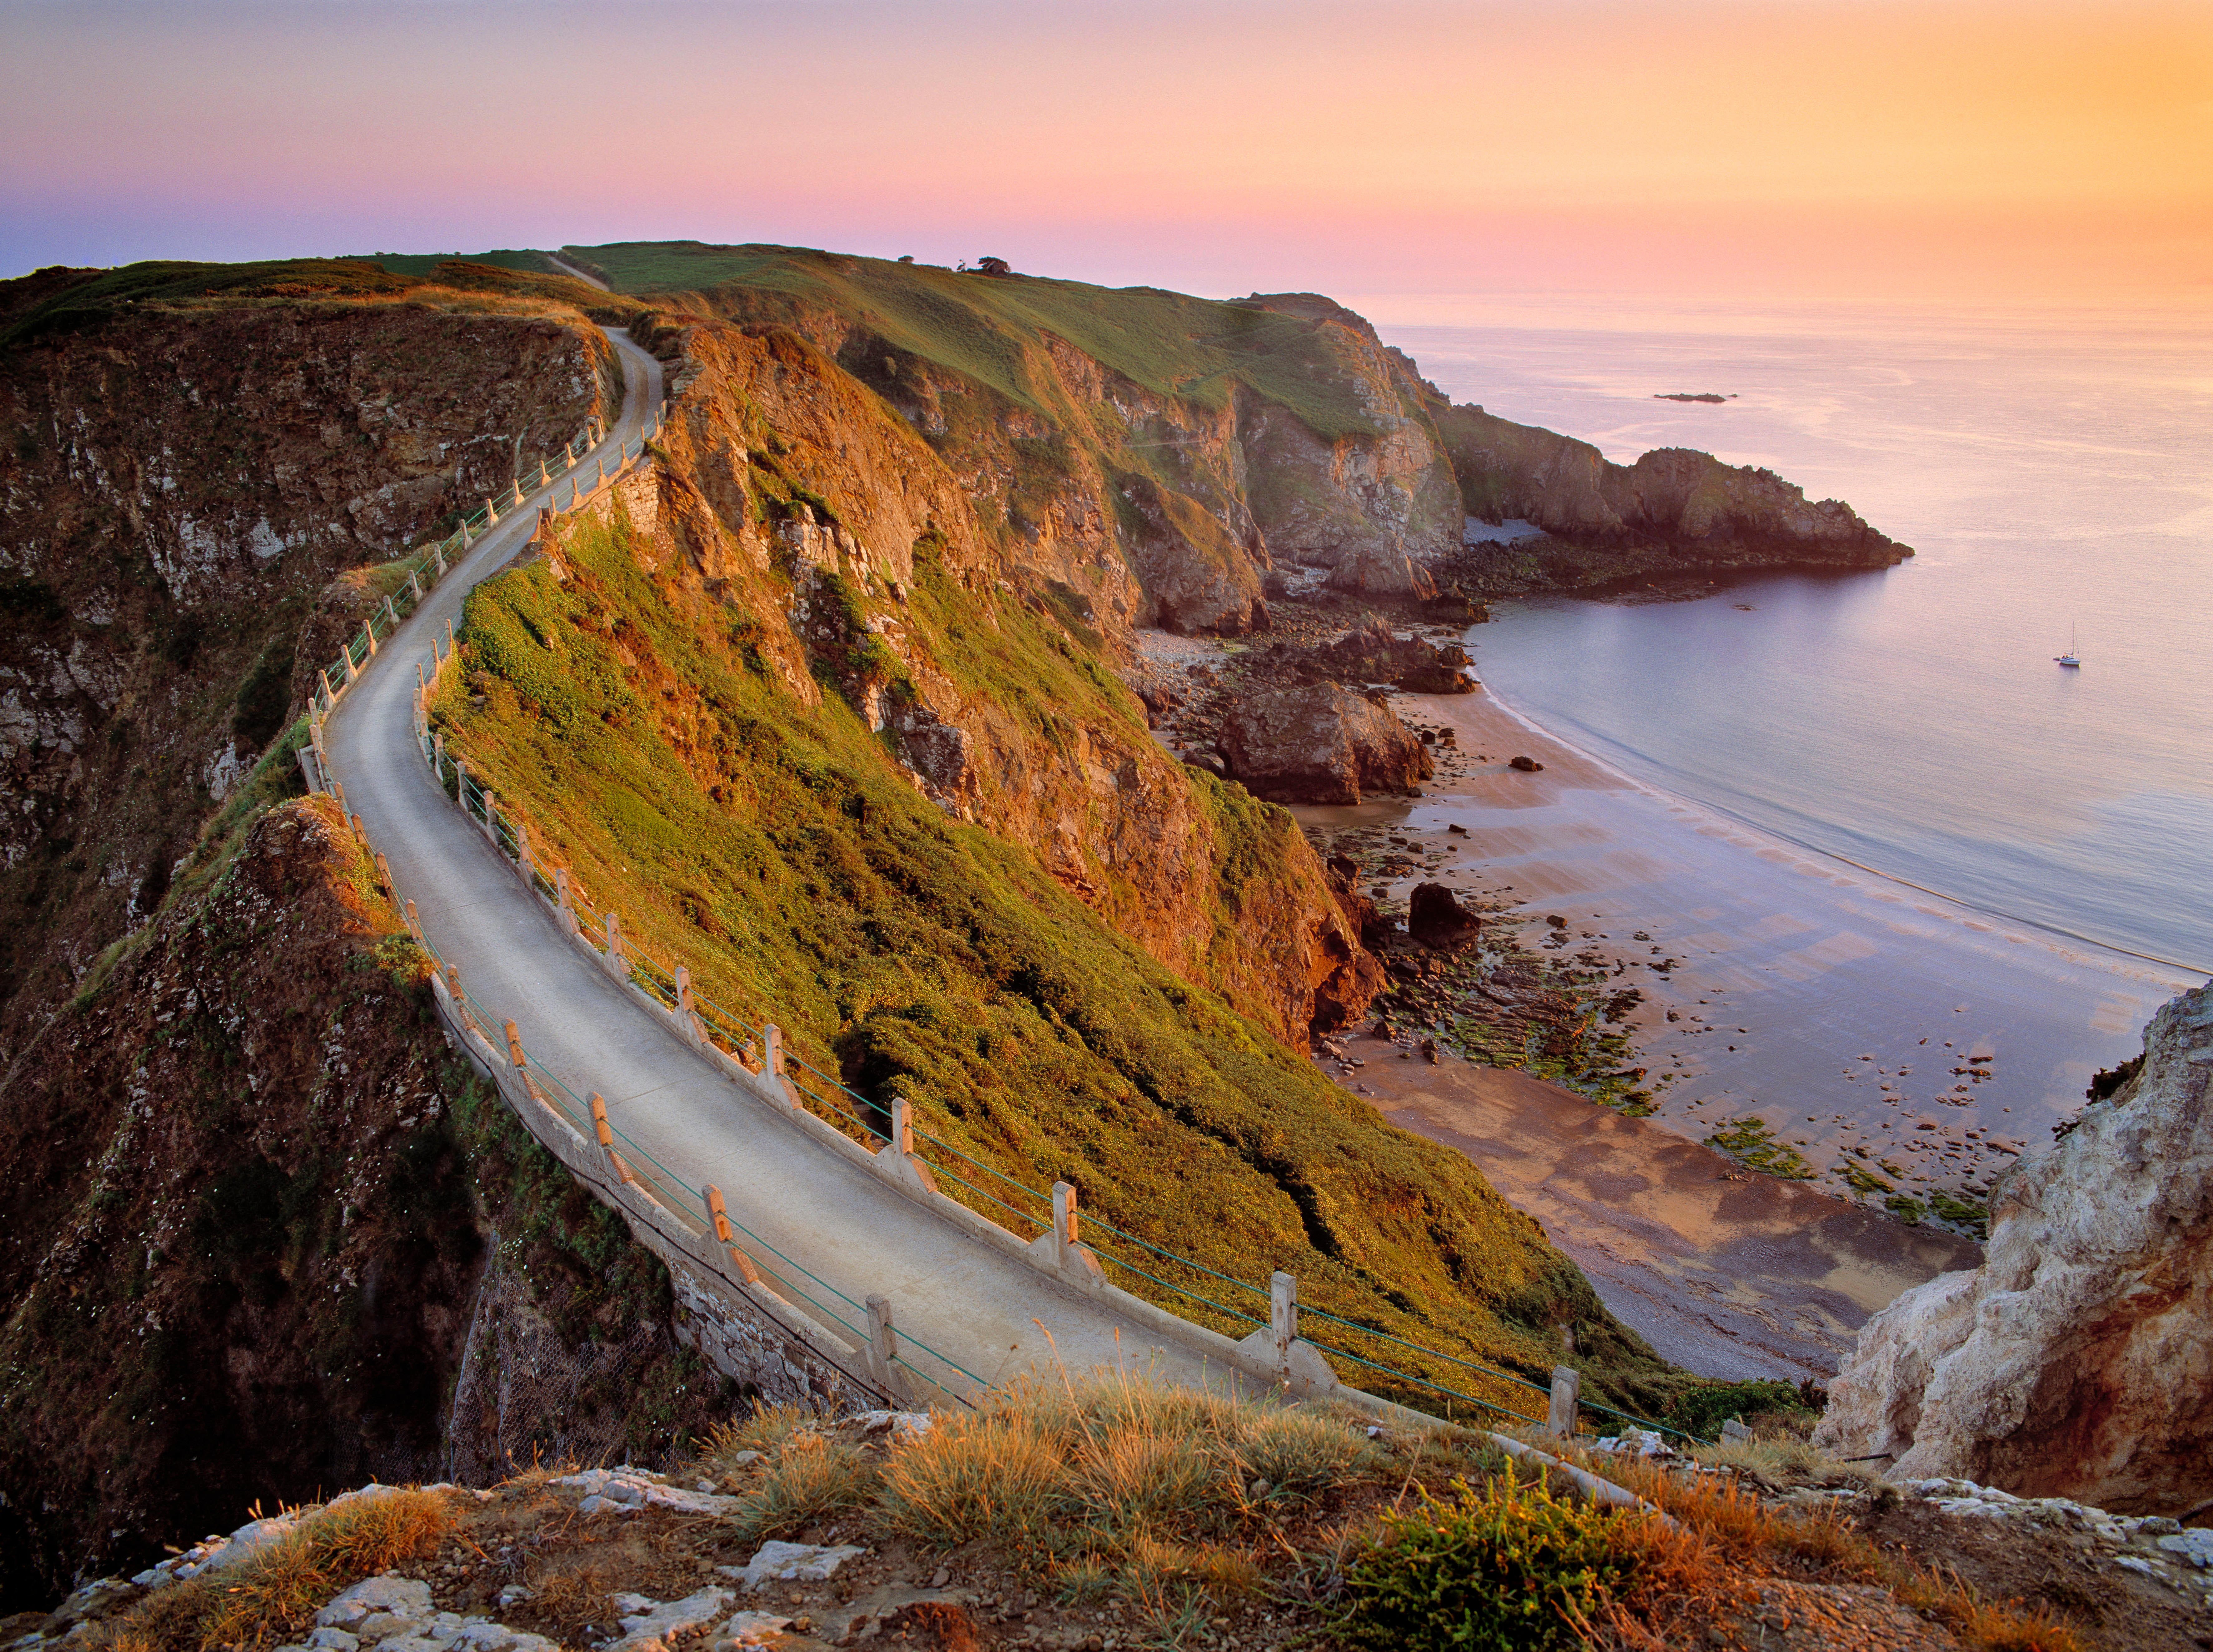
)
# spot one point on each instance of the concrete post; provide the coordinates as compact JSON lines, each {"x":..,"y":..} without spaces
{"x":772,"y":1051}
{"x":1283,"y":1318}
{"x":338,"y":790}
{"x":329,"y":698}
{"x":561,"y":899}
{"x":1063,"y":1221}
{"x":614,"y":945}
{"x":414,"y":590}
{"x":353,"y":671}
{"x":461,"y":786}
{"x":492,"y":513}
{"x":1567,"y":1388}
{"x":414,"y":923}
{"x":883,"y":1340}
{"x":518,"y":494}
{"x":384,"y":874}
{"x":902,"y":1127}
{"x":684,"y":1023}
{"x":369,"y":631}
{"x":1733,"y":1431}
{"x":599,"y":469}
{"x":449,"y":638}
{"x":492,"y":830}
{"x":359,"y":835}
{"x":391,"y":614}
{"x":515,"y":1048}
{"x":567,"y":459}
{"x":438,"y":558}
{"x":545,"y":476}
{"x":717,"y":1212}
{"x":438,"y":757}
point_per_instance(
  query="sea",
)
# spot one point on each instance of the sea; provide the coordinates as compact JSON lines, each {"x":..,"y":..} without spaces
{"x":2053,"y":471}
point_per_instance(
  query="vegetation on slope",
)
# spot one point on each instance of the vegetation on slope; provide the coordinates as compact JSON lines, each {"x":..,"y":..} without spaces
{"x":257,"y":1202}
{"x":987,"y":328}
{"x":778,"y":852}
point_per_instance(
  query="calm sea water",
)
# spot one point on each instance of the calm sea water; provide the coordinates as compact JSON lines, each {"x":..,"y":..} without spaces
{"x":2055,"y":474}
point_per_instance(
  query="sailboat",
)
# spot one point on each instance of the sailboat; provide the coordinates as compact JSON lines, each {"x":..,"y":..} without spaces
{"x":2070,"y":659}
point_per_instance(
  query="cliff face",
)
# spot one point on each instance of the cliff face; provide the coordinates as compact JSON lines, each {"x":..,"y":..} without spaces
{"x":258,"y":1213}
{"x":2077,"y":1361}
{"x":1672,"y":510}
{"x":861,"y":561}
{"x":178,"y":483}
{"x":1154,"y":455}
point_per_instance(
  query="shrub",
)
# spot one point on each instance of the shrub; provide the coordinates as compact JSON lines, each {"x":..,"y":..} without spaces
{"x":1298,"y":1453}
{"x":1504,"y":1569}
{"x":994,"y":1475}
{"x":810,"y":1479}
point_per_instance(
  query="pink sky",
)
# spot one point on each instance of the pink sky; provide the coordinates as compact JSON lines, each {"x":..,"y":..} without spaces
{"x":1785,"y":150}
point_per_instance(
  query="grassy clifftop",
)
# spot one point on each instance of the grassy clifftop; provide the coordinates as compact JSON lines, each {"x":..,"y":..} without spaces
{"x":986,"y":327}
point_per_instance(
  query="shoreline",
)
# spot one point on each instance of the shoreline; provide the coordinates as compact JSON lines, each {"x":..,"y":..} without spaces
{"x":1824,"y":1000}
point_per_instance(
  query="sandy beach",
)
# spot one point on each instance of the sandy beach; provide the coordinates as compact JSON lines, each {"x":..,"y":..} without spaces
{"x":1845,"y":1010}
{"x":1726,"y":1273}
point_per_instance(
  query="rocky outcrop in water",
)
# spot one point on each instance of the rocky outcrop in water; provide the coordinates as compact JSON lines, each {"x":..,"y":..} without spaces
{"x":1322,"y":745}
{"x":2077,"y":1361}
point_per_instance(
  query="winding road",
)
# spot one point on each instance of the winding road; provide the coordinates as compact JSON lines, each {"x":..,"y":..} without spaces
{"x":970,"y":1301}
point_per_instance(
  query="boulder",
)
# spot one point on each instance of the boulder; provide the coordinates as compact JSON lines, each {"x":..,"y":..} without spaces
{"x":1527,"y":764}
{"x":2077,"y":1361}
{"x":1435,"y":918}
{"x":1320,"y":744}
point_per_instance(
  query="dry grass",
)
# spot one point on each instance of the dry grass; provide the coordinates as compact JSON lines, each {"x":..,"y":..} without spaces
{"x":273,"y":1595}
{"x":810,"y":1480}
{"x":1783,"y":1462}
{"x":994,"y":1475}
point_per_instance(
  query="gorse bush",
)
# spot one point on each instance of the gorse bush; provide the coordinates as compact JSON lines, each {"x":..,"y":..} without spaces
{"x":1504,"y":1569}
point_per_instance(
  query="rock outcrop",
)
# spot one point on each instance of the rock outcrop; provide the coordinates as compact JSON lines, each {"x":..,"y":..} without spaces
{"x":2077,"y":1361}
{"x":1673,"y":510}
{"x":1435,"y":918}
{"x":1322,"y":745}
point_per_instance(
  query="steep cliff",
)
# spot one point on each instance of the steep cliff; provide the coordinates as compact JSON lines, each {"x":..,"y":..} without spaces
{"x":2077,"y":1361}
{"x":258,"y":1216}
{"x":190,"y":454}
{"x":795,"y":506}
{"x":1673,"y":510}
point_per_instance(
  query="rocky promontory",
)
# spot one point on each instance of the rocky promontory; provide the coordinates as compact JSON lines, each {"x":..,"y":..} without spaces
{"x":2077,"y":1361}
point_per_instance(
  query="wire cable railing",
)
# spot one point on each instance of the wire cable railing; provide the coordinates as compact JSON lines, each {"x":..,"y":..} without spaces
{"x":826,"y":1095}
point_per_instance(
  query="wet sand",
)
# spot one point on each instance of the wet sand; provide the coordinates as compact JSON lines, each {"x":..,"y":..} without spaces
{"x":1726,"y":1273}
{"x":1844,"y":1009}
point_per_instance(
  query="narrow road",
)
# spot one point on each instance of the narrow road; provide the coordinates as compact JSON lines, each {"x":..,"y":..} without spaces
{"x":972,"y":1303}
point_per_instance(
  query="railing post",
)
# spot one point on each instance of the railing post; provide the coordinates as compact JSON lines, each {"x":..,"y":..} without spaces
{"x":438,"y":757}
{"x":561,"y":899}
{"x":338,"y":790}
{"x":883,"y":1342}
{"x":1283,"y":1319}
{"x":449,"y":636}
{"x":461,"y":786}
{"x":1064,"y":1223}
{"x":902,"y":1127}
{"x":329,"y":698}
{"x":384,"y":874}
{"x":414,"y":923}
{"x":491,"y":514}
{"x":353,"y":671}
{"x":772,"y":1063}
{"x":522,"y":855}
{"x":369,"y":631}
{"x":1567,"y":1388}
{"x":615,"y":959}
{"x":684,"y":1023}
{"x":492,"y":832}
{"x":606,"y":1135}
{"x":515,"y":1048}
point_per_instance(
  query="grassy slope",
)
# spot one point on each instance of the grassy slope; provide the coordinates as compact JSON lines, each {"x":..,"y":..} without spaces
{"x":77,"y":300}
{"x":780,"y":853}
{"x":1194,"y":348}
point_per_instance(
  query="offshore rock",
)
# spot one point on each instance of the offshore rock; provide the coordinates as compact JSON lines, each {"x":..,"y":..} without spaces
{"x":2077,"y":1361}
{"x":1321,"y":745}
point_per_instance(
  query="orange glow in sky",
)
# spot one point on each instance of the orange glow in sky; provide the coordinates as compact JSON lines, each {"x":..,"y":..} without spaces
{"x":2015,"y":153}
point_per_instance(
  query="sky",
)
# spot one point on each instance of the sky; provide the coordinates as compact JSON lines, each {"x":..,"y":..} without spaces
{"x":1790,"y":150}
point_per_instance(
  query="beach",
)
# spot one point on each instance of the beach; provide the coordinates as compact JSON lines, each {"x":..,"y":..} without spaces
{"x":1843,"y":1010}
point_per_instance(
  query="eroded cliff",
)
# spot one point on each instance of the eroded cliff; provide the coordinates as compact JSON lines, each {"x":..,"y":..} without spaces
{"x":259,"y":1216}
{"x":183,"y":473}
{"x":2077,"y":1361}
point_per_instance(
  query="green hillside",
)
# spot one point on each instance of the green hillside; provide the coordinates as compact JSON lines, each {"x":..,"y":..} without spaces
{"x":986,"y":327}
